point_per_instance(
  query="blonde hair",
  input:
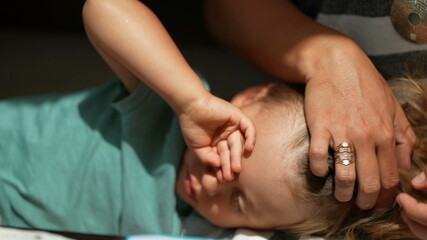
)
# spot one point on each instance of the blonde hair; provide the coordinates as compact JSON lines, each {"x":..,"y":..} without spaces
{"x":336,"y":220}
{"x":286,"y":103}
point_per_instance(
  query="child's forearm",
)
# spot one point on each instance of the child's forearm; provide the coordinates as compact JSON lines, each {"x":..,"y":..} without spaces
{"x":132,"y":36}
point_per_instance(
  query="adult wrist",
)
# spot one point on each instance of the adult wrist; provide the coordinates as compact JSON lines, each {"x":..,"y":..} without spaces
{"x":319,"y":53}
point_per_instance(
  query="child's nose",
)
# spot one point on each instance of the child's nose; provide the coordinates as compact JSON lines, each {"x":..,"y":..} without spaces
{"x":210,"y":182}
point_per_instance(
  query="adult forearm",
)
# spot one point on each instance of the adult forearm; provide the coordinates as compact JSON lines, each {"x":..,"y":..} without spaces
{"x":133,"y":36}
{"x":272,"y":34}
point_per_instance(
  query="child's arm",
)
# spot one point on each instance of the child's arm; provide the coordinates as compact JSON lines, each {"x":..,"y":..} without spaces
{"x":135,"y":44}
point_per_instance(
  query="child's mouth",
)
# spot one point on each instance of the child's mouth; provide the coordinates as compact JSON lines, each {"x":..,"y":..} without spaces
{"x":189,"y":188}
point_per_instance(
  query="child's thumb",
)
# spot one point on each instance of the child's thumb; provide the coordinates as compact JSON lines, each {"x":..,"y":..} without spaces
{"x":419,"y":182}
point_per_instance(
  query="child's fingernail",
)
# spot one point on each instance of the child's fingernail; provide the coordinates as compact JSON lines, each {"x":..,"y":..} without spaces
{"x":419,"y":179}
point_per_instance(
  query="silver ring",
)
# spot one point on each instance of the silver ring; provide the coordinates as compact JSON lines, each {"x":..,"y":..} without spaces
{"x":344,"y":154}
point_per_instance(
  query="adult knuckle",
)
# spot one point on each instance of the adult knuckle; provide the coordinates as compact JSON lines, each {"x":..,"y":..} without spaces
{"x":387,"y":137}
{"x":318,"y":153}
{"x":364,"y":134}
{"x":370,"y":187}
{"x":390,"y":182}
{"x":345,"y":177}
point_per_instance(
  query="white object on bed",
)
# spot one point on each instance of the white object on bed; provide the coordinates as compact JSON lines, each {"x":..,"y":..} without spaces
{"x":246,"y":234}
{"x":162,"y":237}
{"x":19,"y":234}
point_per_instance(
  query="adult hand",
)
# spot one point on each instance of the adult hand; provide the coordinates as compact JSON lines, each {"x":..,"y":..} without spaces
{"x":413,"y":212}
{"x":347,"y":100}
{"x":218,"y":132}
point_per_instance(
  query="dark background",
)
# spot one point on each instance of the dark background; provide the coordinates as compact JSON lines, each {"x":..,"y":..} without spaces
{"x":183,"y":19}
{"x":43,"y":48}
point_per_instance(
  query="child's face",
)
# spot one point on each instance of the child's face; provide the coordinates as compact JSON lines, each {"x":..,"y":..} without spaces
{"x":260,"y":196}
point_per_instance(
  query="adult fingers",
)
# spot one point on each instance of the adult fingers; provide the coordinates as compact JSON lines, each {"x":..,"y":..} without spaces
{"x":318,"y":153}
{"x":417,"y":229}
{"x":345,"y":171}
{"x":367,"y":173}
{"x":414,"y":214}
{"x":415,"y":210}
{"x":235,"y":143}
{"x":405,"y":138}
{"x":389,"y":172}
{"x":419,"y":182}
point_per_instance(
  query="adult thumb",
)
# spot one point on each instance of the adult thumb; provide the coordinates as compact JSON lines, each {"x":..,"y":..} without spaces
{"x":419,"y":182}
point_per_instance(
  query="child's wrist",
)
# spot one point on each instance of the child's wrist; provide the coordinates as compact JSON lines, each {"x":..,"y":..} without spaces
{"x":188,"y":97}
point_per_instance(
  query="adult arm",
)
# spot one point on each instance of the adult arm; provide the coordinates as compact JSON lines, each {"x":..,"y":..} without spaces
{"x":346,"y":97}
{"x":134,"y":43}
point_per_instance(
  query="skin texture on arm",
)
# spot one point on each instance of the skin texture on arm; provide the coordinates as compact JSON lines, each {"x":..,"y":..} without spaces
{"x":272,"y":34}
{"x":138,"y":48}
{"x":346,"y":97}
{"x":132,"y":35}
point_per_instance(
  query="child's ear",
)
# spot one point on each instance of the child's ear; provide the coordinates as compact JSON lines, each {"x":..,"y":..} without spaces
{"x":250,"y":95}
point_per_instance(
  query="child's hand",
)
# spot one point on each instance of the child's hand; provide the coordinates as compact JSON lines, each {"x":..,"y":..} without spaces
{"x":217,"y":130}
{"x":230,"y":152}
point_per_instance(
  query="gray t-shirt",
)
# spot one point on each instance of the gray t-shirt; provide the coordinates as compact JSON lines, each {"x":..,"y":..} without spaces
{"x":369,"y":24}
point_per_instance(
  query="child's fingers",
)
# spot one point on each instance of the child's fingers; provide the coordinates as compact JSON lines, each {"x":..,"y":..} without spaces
{"x":219,"y":175}
{"x":224,"y":154}
{"x":248,"y":128}
{"x":208,"y":156}
{"x":235,"y":143}
{"x":223,"y":132}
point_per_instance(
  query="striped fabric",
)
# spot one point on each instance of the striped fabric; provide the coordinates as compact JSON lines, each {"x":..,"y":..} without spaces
{"x":368,"y":23}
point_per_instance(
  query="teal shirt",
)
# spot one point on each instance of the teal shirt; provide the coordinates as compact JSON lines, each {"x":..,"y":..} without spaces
{"x":98,"y":161}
